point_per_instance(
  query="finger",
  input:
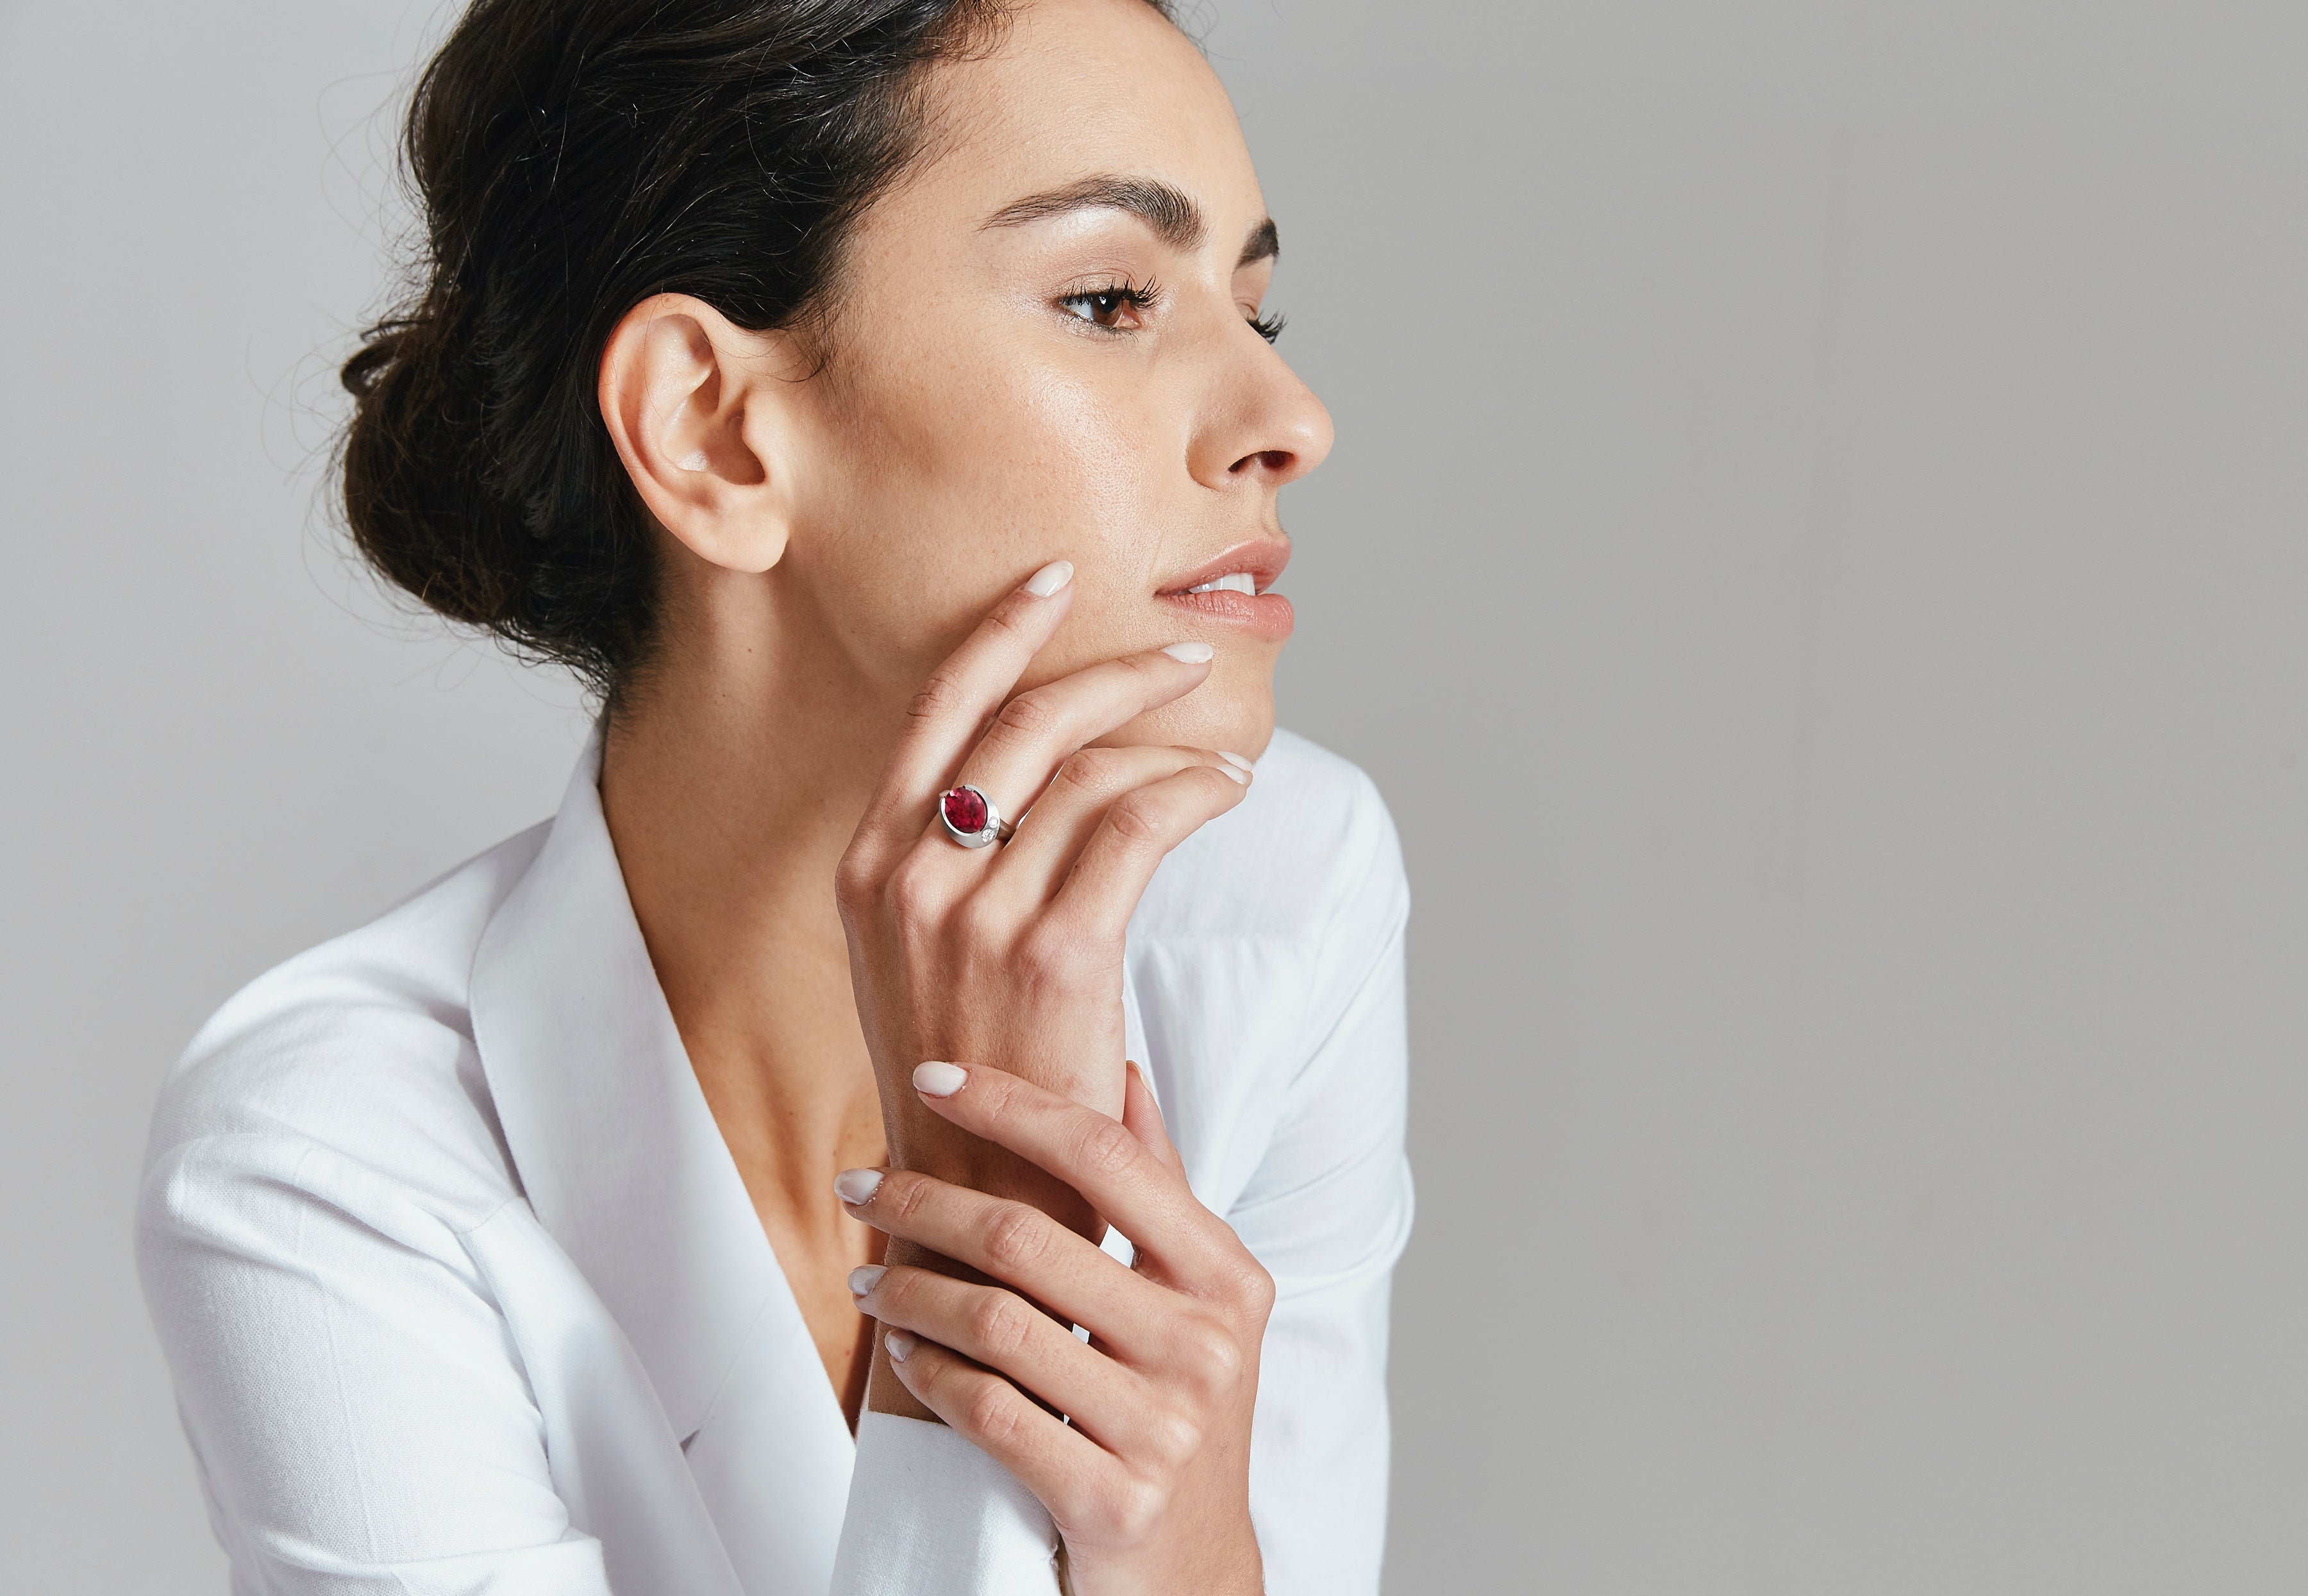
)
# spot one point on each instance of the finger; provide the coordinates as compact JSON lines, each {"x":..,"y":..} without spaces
{"x":1114,"y":1171}
{"x":1138,"y":829}
{"x":1003,"y":1331}
{"x":1057,"y":1463}
{"x":1014,"y":1244}
{"x":948,"y":712}
{"x":1053,"y":834}
{"x":1143,"y":1115}
{"x":1019,"y":751}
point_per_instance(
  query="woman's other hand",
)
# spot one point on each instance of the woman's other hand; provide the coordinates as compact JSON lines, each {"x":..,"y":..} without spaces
{"x":1148,"y":1475}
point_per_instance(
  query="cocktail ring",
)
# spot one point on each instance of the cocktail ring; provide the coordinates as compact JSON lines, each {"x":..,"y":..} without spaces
{"x":971,"y":817}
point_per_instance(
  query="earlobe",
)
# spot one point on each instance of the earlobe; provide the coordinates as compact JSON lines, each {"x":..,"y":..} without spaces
{"x":681,"y":394}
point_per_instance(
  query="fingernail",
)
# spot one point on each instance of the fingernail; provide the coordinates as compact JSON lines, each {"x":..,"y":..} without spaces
{"x":1190,"y":653}
{"x":1240,"y":778}
{"x":1236,"y":759}
{"x":899,"y":1344}
{"x":1052,"y":577}
{"x":856,"y":1186}
{"x":939,"y":1080}
{"x":864,"y":1278}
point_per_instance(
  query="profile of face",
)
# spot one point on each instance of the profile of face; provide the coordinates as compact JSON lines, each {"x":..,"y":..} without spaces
{"x":1045,"y":345}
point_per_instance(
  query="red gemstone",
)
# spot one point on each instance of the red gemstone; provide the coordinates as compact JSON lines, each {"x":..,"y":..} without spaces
{"x":965,"y":810}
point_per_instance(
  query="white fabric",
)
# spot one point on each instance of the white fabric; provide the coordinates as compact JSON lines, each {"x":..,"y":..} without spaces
{"x":990,"y":1535}
{"x":462,"y":1293}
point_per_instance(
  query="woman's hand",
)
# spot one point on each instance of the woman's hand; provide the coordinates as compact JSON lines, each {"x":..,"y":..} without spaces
{"x":1149,"y":1476}
{"x":1013,"y":955}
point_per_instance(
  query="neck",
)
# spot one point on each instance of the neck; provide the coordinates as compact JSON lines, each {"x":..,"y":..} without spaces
{"x":731,"y":784}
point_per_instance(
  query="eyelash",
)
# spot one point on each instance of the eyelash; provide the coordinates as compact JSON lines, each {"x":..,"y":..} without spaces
{"x":1268,"y":327}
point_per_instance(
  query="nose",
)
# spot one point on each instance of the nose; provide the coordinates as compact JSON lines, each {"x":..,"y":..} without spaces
{"x":1264,"y":428}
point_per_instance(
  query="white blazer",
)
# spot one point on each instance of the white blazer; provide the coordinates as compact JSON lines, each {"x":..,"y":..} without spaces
{"x":462,"y":1293}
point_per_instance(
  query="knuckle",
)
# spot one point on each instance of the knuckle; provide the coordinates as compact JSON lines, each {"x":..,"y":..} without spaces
{"x":997,"y":1095}
{"x":894,"y":1296}
{"x":1174,"y":1437}
{"x":1255,"y":1289}
{"x":1137,"y":818}
{"x":1094,"y":771}
{"x":1001,"y":1323}
{"x":1008,"y":617}
{"x":914,"y":892}
{"x":1210,"y":1352}
{"x":1243,"y":1286}
{"x":1052,"y":953}
{"x":1028,"y":717}
{"x":1133,"y":1506}
{"x":900,"y":1197}
{"x":936,"y":700}
{"x":990,"y":1411}
{"x":1019,"y":1237}
{"x":1107,"y":1147}
{"x":855,"y":882}
{"x":981,"y":921}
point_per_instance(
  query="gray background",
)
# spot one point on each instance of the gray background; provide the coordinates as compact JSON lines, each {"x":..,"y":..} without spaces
{"x":1813,"y":557}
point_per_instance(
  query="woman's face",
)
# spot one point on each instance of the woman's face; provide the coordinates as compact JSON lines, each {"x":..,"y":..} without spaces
{"x":1044,"y":348}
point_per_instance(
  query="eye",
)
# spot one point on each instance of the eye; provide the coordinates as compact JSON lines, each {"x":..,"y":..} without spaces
{"x":1268,"y":327}
{"x":1114,"y":307}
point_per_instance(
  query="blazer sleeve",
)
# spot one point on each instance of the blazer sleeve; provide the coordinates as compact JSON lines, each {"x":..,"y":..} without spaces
{"x":1328,"y":1211}
{"x":356,"y":1408}
{"x":928,"y":1510}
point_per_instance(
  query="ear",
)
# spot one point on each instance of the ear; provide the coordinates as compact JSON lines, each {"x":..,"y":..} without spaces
{"x":701,"y":414}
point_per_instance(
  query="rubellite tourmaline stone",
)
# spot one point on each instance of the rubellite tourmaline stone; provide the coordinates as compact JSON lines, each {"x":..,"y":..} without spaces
{"x":965,"y":810}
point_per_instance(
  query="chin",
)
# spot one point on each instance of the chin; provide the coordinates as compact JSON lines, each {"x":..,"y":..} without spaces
{"x":1241,"y":722}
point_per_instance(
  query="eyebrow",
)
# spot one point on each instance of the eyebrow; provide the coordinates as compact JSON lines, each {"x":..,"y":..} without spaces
{"x":1170,"y":213}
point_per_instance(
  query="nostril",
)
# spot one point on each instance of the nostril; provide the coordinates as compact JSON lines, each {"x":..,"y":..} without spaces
{"x":1277,"y":460}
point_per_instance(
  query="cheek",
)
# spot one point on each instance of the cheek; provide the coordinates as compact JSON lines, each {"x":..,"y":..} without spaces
{"x":953,"y":481}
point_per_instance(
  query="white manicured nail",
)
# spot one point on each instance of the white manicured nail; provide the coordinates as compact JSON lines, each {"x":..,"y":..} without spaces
{"x":1052,"y":577}
{"x":1240,"y":778}
{"x":865,"y":1278}
{"x":899,"y":1344}
{"x":1234,"y":760}
{"x":1190,"y":653}
{"x":939,"y":1080}
{"x":856,"y":1186}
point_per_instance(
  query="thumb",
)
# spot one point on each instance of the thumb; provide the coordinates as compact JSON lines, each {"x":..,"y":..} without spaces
{"x":1143,"y":1117}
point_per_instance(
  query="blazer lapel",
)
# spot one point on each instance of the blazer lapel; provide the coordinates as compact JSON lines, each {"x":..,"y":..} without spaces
{"x":625,"y":1167}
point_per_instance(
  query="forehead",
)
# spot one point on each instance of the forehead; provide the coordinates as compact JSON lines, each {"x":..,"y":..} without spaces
{"x":1069,"y":89}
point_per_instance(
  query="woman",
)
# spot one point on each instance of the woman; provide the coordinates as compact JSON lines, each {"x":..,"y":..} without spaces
{"x":872,"y":399}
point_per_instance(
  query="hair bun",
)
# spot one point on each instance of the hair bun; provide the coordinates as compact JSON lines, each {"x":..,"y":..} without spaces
{"x":417,"y":496}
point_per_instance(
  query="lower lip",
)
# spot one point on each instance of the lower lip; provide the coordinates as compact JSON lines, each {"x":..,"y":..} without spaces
{"x":1262,"y":615}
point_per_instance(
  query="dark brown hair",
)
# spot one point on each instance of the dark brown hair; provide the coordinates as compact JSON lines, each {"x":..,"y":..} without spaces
{"x":573,"y":157}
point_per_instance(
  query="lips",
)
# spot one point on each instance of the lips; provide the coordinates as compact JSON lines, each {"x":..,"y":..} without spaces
{"x":1261,"y":559}
{"x":1231,"y":588}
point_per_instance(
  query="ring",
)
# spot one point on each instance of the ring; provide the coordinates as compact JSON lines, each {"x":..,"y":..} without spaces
{"x":971,"y":817}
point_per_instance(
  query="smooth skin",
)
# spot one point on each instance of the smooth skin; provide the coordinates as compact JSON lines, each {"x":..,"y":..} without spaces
{"x":1157,"y":1401}
{"x":850,"y":513}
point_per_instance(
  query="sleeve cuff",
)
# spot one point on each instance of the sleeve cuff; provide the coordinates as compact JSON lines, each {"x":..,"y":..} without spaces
{"x":928,"y":1510}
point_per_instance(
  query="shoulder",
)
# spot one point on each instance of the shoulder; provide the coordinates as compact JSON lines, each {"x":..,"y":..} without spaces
{"x":360,"y":1050}
{"x":1310,"y":853}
